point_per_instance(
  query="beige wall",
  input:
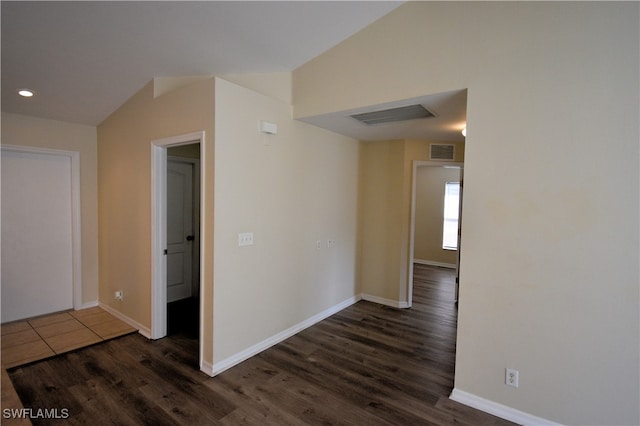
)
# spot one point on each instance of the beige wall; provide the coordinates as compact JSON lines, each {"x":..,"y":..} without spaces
{"x":429,"y":210}
{"x":290,"y":190}
{"x":381,"y":214}
{"x":36,"y":132}
{"x":549,"y":268}
{"x":124,"y":197}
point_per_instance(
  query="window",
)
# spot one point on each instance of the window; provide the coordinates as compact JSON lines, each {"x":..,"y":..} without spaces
{"x":451,"y":208}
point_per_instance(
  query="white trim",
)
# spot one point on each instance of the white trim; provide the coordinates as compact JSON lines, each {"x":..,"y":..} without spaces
{"x":159,"y":231}
{"x":76,"y":232}
{"x":76,"y":212}
{"x":145,"y":331}
{"x":416,"y":164}
{"x":386,"y":302}
{"x":499,"y":410}
{"x":206,"y":368}
{"x":201,"y":226}
{"x":229,"y":362}
{"x":434,"y":263}
{"x":87,"y":305}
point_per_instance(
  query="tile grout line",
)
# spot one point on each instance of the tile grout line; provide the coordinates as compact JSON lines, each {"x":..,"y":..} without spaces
{"x":93,"y":331}
{"x":41,"y":338}
{"x":88,"y":328}
{"x":68,"y":332}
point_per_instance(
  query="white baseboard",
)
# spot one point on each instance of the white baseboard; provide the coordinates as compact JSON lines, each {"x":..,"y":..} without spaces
{"x":502,"y":411}
{"x":229,"y":362}
{"x":434,"y":263}
{"x":386,"y":302}
{"x":145,"y":331}
{"x":207,"y":368}
{"x":88,"y":305}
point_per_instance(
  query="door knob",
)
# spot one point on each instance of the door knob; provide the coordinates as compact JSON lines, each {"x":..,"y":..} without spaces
{"x":190,"y":238}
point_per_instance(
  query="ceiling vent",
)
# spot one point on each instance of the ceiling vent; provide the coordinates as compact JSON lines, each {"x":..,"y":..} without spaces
{"x":405,"y":113}
{"x":441,"y":152}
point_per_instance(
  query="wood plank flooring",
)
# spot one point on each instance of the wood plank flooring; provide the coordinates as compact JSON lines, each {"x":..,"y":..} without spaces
{"x":366,"y":365}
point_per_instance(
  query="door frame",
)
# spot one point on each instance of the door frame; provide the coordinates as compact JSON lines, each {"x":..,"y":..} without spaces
{"x":76,"y":233}
{"x":159,"y":229}
{"x":417,"y":164}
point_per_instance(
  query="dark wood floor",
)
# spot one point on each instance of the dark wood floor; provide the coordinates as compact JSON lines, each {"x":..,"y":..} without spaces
{"x":366,"y":365}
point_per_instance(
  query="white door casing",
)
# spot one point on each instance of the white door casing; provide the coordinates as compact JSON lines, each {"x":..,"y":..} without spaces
{"x":180,"y":230}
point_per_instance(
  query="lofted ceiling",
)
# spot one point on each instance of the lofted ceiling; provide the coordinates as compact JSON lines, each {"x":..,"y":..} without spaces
{"x":86,"y":58}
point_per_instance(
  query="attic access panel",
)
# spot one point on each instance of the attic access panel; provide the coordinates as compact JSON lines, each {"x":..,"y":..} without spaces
{"x":410,"y":112}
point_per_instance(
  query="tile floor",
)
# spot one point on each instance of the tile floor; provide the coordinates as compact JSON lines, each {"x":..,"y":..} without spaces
{"x":42,"y":337}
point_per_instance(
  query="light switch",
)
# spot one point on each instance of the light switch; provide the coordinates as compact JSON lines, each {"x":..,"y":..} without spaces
{"x":245,"y":239}
{"x":268,"y":128}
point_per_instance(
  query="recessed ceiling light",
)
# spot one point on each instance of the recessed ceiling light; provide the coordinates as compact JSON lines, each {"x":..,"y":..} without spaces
{"x":27,"y":93}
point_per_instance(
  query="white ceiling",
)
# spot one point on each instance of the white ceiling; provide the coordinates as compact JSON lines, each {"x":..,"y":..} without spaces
{"x":85,"y":59}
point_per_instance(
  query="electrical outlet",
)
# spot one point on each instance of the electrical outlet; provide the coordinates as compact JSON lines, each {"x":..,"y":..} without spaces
{"x":318,"y":244}
{"x":331,"y":243}
{"x":511,"y":377}
{"x":118,"y":295}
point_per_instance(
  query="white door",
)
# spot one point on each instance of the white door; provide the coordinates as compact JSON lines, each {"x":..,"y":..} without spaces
{"x":37,"y":248}
{"x":180,"y":230}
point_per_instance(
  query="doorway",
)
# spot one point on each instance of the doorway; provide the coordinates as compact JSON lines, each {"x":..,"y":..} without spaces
{"x":183,"y":240}
{"x":436,"y":252}
{"x":175,"y":175}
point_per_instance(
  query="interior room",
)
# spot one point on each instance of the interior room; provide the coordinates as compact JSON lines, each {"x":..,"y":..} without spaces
{"x":243,"y":185}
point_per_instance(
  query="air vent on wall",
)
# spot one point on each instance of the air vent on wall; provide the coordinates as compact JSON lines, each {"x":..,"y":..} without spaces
{"x":391,"y":115}
{"x":441,"y":152}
